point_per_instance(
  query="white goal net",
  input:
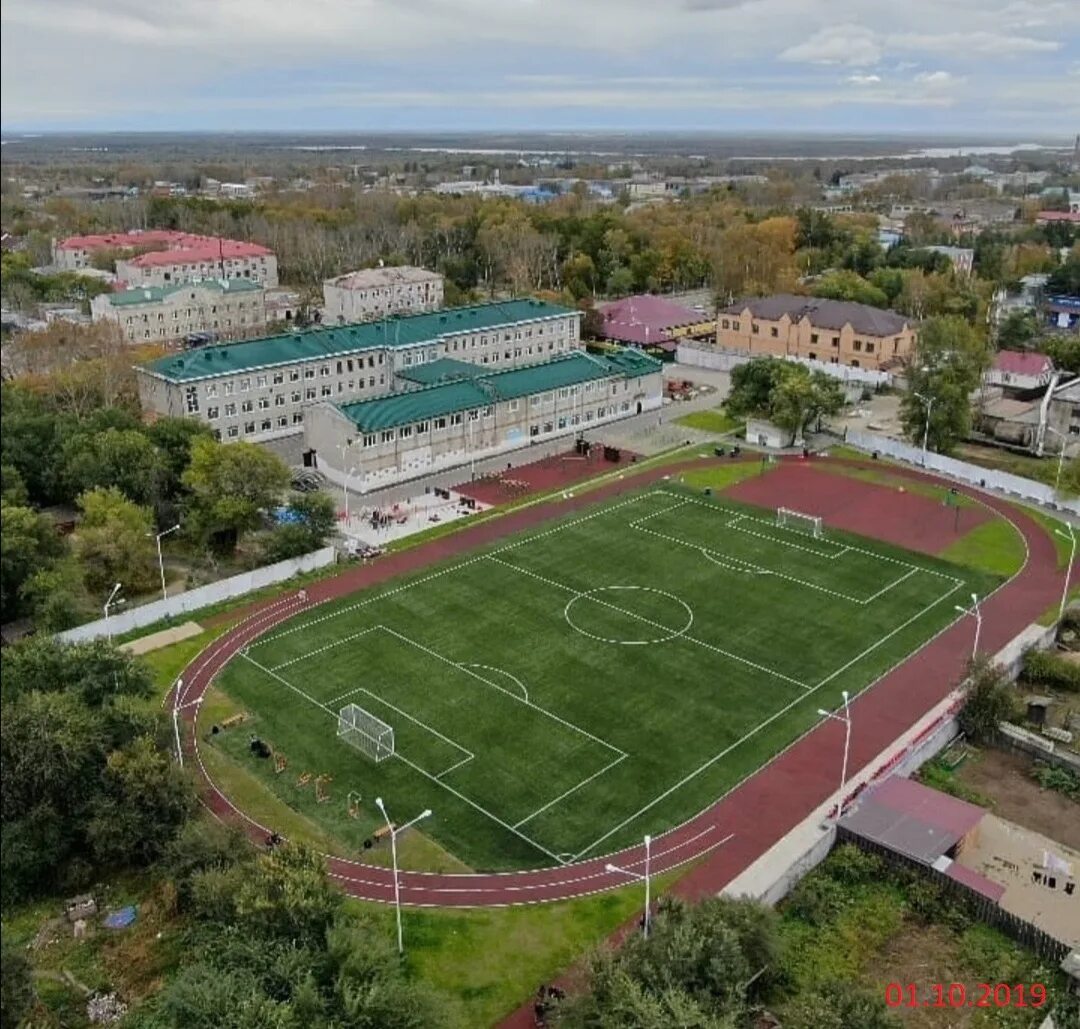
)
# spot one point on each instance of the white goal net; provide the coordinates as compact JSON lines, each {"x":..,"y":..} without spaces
{"x":368,"y":734}
{"x":788,"y":519}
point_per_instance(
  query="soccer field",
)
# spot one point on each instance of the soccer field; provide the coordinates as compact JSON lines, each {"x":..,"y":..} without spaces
{"x":558,"y":695}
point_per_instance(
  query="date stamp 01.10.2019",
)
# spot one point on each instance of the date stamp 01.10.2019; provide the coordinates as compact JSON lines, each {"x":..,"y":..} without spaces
{"x":961,"y":995}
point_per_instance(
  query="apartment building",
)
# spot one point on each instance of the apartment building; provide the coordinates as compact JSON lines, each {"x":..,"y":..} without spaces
{"x":228,"y":307}
{"x":830,"y":331}
{"x":470,"y":413}
{"x":258,"y":390}
{"x":163,"y":258}
{"x":372,"y":293}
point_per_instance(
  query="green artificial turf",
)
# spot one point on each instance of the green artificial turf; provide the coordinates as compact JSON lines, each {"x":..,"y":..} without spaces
{"x":559,"y":694}
{"x":994,"y":546}
{"x":716,"y":420}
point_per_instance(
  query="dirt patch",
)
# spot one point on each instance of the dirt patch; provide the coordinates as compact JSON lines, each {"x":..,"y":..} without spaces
{"x":890,"y":513}
{"x":1005,"y":779}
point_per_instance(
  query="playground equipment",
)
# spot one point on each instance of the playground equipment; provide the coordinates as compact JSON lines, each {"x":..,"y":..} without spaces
{"x":321,"y":793}
{"x":280,"y":763}
{"x":233,"y":720}
{"x":354,"y":804}
{"x":303,"y":780}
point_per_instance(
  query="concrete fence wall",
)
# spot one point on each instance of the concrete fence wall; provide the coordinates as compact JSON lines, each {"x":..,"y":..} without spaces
{"x":213,"y":593}
{"x":987,"y":478}
{"x":720,"y":359}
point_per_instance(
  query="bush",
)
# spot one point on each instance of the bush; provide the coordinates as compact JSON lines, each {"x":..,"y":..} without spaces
{"x":988,"y":700}
{"x":817,"y":900}
{"x":1047,"y":669}
{"x":1050,"y":777}
{"x":852,"y":866}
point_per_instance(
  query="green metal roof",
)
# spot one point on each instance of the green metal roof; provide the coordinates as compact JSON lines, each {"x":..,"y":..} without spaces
{"x":155,"y":294}
{"x":445,"y":369}
{"x":324,"y":342}
{"x":447,"y":398}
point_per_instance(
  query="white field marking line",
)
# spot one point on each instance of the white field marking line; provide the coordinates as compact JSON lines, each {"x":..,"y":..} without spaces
{"x":885,"y":589}
{"x":768,"y":721}
{"x":329,"y":646}
{"x":447,"y":771}
{"x":472,"y":803}
{"x":285,"y":682}
{"x":655,"y":625}
{"x":502,"y":671}
{"x":736,"y":524}
{"x":469,"y":755}
{"x":513,"y":696}
{"x":853,"y":549}
{"x":603,"y":510}
{"x":573,"y":789}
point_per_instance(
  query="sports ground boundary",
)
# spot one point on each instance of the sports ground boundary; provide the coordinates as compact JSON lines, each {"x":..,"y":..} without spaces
{"x":730,"y":834}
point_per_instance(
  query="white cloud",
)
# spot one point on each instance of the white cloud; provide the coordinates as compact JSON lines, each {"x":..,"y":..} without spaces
{"x":936,"y":79}
{"x":965,"y":44}
{"x":850,"y":45}
{"x":863,"y":80}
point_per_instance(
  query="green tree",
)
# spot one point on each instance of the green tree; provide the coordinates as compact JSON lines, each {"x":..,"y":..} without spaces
{"x":16,"y":986}
{"x":949,"y":362}
{"x":230,"y":488}
{"x":1066,"y":277}
{"x":1064,"y":351}
{"x":116,"y":458}
{"x":114,"y":542}
{"x":752,"y":386}
{"x":312,"y":519}
{"x":28,"y":544}
{"x":173,"y":438}
{"x":989,"y":699}
{"x":1017,"y":329}
{"x":849,"y":285}
{"x":55,"y":597}
{"x":144,"y":802}
{"x":839,"y":1005}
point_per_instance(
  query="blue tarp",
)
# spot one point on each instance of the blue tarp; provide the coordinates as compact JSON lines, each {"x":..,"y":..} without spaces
{"x":120,"y":919}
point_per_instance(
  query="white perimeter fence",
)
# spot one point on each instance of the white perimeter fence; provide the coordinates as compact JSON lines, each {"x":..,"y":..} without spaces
{"x":213,"y":593}
{"x":986,"y":478}
{"x":722,"y":360}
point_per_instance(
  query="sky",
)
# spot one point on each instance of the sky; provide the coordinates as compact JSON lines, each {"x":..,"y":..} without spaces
{"x":861,"y":66}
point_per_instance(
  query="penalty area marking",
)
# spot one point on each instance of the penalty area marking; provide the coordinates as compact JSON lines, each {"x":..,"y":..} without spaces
{"x":590,"y":595}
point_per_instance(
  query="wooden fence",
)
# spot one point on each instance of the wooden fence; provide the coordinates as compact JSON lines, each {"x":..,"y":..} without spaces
{"x":973,"y":902}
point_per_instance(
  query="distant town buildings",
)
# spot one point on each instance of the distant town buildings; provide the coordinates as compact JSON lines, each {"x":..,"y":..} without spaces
{"x":961,"y":258}
{"x":370,"y":293}
{"x":224,"y":307}
{"x":258,"y":390}
{"x":648,"y":321}
{"x":163,"y":257}
{"x":830,"y":331}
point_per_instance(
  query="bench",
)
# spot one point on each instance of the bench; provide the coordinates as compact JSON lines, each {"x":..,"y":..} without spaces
{"x":384,"y":832}
{"x":233,"y":720}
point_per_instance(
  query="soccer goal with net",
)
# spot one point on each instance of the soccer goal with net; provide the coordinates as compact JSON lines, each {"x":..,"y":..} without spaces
{"x":788,"y":519}
{"x":368,"y":734}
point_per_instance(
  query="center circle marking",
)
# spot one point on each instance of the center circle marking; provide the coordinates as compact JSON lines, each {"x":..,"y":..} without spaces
{"x":670,"y":634}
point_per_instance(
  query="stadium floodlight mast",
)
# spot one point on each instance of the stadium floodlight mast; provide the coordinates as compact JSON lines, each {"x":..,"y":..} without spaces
{"x":394,"y":833}
{"x":640,"y":878}
{"x":1061,"y":455}
{"x":161,"y":563}
{"x":343,"y":448}
{"x":928,"y":403}
{"x":110,"y":603}
{"x":975,"y":612}
{"x":1071,"y":537}
{"x":846,"y":719}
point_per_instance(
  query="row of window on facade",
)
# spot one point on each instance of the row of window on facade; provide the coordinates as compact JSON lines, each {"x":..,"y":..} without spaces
{"x":241,"y":306}
{"x":191,"y":396}
{"x":266,"y":425}
{"x":815,"y":337}
{"x":346,"y":366}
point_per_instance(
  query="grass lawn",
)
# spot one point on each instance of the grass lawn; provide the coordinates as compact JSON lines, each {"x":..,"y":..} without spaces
{"x":993,"y":546}
{"x":716,"y":420}
{"x":511,"y":719}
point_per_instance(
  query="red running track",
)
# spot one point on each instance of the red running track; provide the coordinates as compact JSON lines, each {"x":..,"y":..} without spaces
{"x":743,"y":824}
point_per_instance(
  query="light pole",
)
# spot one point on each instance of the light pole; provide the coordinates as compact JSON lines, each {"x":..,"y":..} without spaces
{"x":177,"y":708}
{"x":1061,"y":455}
{"x":345,"y":490}
{"x":160,"y":560}
{"x":394,"y":833}
{"x":846,"y":719}
{"x":975,"y":613}
{"x":928,"y":402}
{"x":472,"y":450}
{"x":641,"y":878}
{"x":1068,"y":568}
{"x":343,"y":449}
{"x":111,"y":603}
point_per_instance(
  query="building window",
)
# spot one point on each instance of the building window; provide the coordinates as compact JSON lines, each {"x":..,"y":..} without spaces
{"x":309,"y":393}
{"x":264,"y":403}
{"x":297,"y":418}
{"x":309,"y":373}
{"x":858,"y":345}
{"x":232,"y":432}
{"x":421,"y":428}
{"x":211,"y":413}
{"x":813,"y":337}
{"x":294,"y":375}
{"x":279,"y":400}
{"x":230,"y":388}
{"x":754,"y":327}
{"x":869,"y":347}
{"x":369,"y":440}
{"x":724,"y":323}
{"x":294,"y":397}
{"x":836,"y":341}
{"x":249,"y":428}
{"x":247,"y":406}
{"x":735,"y":326}
{"x":440,"y":423}
{"x":405,"y":432}
{"x":245,"y":385}
{"x":279,"y":378}
{"x":387,"y":437}
{"x":211,"y":390}
{"x":774,"y":332}
{"x":456,"y":419}
{"x":260,"y":381}
{"x":326,"y":391}
{"x":283,"y":421}
{"x":230,"y":410}
{"x":191,"y":398}
{"x":512,"y":406}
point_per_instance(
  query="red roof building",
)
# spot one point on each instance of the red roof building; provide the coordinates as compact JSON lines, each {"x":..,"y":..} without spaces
{"x":650,"y":321}
{"x":1020,"y":370}
{"x":1050,"y":217}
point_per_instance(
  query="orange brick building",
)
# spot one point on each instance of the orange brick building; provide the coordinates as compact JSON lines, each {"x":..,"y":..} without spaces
{"x":831,"y":331}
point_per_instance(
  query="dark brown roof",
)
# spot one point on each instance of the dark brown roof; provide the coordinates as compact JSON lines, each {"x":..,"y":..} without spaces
{"x":823,"y":314}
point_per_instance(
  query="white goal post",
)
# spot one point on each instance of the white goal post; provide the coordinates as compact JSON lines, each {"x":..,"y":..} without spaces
{"x":368,"y":734}
{"x":788,"y":519}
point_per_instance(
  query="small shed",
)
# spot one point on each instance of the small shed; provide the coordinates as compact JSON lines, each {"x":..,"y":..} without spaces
{"x":1036,"y":709}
